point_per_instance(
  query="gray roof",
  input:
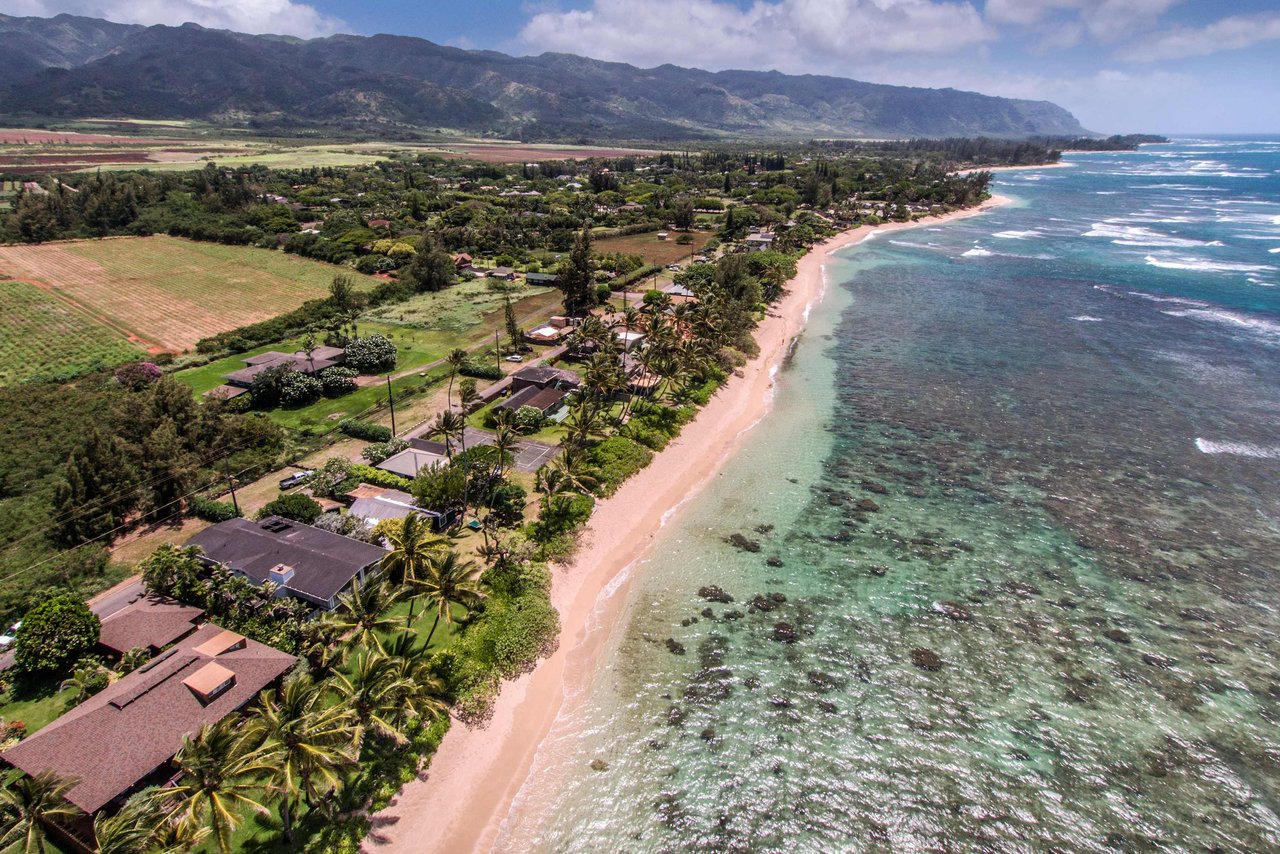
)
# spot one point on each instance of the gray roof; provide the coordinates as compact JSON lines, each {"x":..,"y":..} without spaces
{"x":246,"y":376}
{"x":543,"y":399}
{"x":545,"y":375}
{"x":429,"y":445}
{"x":376,"y":504}
{"x":323,"y":563}
{"x":536,"y":278}
{"x":407,"y":462}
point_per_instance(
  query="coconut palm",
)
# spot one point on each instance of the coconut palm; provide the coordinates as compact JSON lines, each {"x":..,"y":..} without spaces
{"x":362,"y":614}
{"x":424,"y":697}
{"x":129,"y":831}
{"x":133,"y":659}
{"x":85,"y":681}
{"x":220,"y":777}
{"x":374,"y":692}
{"x":412,"y":543}
{"x":456,"y":359}
{"x":567,"y":473}
{"x":504,"y":442}
{"x":448,"y":581}
{"x":30,"y":806}
{"x":301,"y":742}
{"x":451,"y":427}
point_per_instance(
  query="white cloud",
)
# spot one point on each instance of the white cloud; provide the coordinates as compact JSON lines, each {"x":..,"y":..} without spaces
{"x":283,"y":17}
{"x":1105,"y":20}
{"x":1232,"y":33}
{"x":789,"y":35}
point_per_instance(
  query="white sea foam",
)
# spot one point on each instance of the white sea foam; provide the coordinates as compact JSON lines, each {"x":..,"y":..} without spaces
{"x":1266,"y":329}
{"x":978,"y":252}
{"x":1239,"y":449}
{"x":1275,"y":251}
{"x":1131,"y":235}
{"x":1086,"y":318}
{"x":1204,"y":265}
{"x":1017,"y":235}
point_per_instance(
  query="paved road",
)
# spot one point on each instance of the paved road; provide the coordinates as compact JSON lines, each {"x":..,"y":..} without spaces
{"x":104,"y":605}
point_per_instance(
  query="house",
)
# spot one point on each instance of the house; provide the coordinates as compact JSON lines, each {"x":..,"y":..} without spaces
{"x":542,"y":279}
{"x":629,"y":340}
{"x":548,"y":401}
{"x":462,"y":260}
{"x":679,"y":293}
{"x":758,"y":242}
{"x":410,"y":461}
{"x":319,"y":359}
{"x":375,"y":503}
{"x":151,"y":623}
{"x":544,"y":376}
{"x":631,"y":207}
{"x":302,"y":561}
{"x":551,"y":331}
{"x":430,"y":446}
{"x":379,"y":223}
{"x":125,"y":737}
{"x":504,"y":273}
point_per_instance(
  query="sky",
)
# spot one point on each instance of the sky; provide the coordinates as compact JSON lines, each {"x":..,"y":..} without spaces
{"x":1161,"y":66}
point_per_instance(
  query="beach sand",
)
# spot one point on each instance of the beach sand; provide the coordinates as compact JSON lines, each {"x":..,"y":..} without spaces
{"x":460,"y":804}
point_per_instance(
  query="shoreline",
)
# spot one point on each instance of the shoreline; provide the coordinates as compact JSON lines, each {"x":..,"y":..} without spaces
{"x":1061,"y":164}
{"x":476,"y":775}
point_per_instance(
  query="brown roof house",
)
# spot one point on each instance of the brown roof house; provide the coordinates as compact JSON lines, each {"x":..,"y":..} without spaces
{"x":124,"y":738}
{"x":303,"y":561}
{"x":152,"y":623}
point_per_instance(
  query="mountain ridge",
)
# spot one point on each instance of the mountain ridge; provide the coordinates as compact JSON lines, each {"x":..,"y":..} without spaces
{"x":72,"y":66}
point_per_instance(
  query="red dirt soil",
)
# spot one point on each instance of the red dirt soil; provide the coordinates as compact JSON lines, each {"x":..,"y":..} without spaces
{"x":17,"y":137}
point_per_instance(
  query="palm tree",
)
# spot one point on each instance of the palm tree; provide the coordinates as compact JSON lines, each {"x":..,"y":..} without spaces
{"x":87,"y":681}
{"x":450,"y":426}
{"x":424,"y":694}
{"x":456,"y":360}
{"x":133,"y":659}
{"x":362,"y":614}
{"x":219,"y":775}
{"x":565,"y":474}
{"x":301,"y":742}
{"x":504,"y":440}
{"x":129,"y":831}
{"x":411,"y":547}
{"x":374,"y":693}
{"x":29,"y":806}
{"x":448,"y":581}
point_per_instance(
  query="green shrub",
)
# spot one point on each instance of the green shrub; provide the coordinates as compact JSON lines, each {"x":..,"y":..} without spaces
{"x":372,"y":354}
{"x":338,"y":380}
{"x":298,"y":389}
{"x":379,"y":451}
{"x":210,"y":510}
{"x":357,"y":429}
{"x":562,"y":514}
{"x":378,"y":477}
{"x":616,"y":459}
{"x":480,"y":370}
{"x":295,"y":506}
{"x":55,"y":633}
{"x":528,"y":419}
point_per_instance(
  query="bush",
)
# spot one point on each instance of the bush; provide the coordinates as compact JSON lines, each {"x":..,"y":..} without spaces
{"x":346,"y":525}
{"x":338,"y":380}
{"x":480,"y":370}
{"x":138,"y":375}
{"x":295,"y":506}
{"x":378,"y":477}
{"x":603,"y":292}
{"x":210,"y":510}
{"x":372,"y":354}
{"x":616,"y":459}
{"x":357,"y":429}
{"x":513,"y":634}
{"x":507,"y":503}
{"x":528,"y":419}
{"x":55,"y":633}
{"x":299,"y":389}
{"x":379,"y":451}
{"x":563,"y":514}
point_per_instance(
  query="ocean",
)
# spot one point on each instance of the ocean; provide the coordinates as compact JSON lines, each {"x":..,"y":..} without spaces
{"x":1005,"y":572}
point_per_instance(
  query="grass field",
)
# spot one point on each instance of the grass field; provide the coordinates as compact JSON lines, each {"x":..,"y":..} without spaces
{"x":164,"y":293}
{"x":653,"y":250}
{"x":41,"y":336}
{"x":458,"y":309}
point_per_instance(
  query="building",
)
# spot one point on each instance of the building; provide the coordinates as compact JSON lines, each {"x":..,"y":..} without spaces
{"x":303,"y":561}
{"x":319,"y":359}
{"x":125,"y":737}
{"x":544,"y":376}
{"x":552,"y":331}
{"x":758,"y":242}
{"x":542,"y":279}
{"x":504,"y":273}
{"x":376,"y":503}
{"x":151,"y":623}
{"x":410,"y":461}
{"x":548,"y":401}
{"x":629,"y":341}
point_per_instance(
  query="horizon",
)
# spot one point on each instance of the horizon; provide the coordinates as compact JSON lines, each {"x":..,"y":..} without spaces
{"x":1169,"y":67}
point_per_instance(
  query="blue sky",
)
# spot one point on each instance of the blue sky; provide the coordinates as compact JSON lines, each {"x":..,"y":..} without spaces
{"x":1172,"y":66}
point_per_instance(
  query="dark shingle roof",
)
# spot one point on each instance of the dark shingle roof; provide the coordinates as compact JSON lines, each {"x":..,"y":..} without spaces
{"x":541,"y":398}
{"x":152,"y":621}
{"x":323,"y":563}
{"x":545,"y":375}
{"x":116,"y":739}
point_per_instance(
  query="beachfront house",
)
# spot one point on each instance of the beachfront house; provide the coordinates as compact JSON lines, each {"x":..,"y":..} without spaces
{"x":304,"y":562}
{"x":376,"y":503}
{"x":758,"y":242}
{"x":124,"y":738}
{"x":412,"y":460}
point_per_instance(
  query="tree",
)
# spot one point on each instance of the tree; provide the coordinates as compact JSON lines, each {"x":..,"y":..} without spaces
{"x":374,"y":692}
{"x":372,"y":354}
{"x":55,"y":633}
{"x":132,"y":660}
{"x":467,"y":393}
{"x":413,"y":544}
{"x":173,"y":571}
{"x":220,"y":777}
{"x":448,"y":581}
{"x":295,"y":506}
{"x":456,"y":359}
{"x":451,"y":427}
{"x":362,"y":614}
{"x":169,"y":467}
{"x":514,"y":333}
{"x":432,"y":268}
{"x":342,"y":290}
{"x":87,"y":680}
{"x":29,"y":806}
{"x":441,"y":488}
{"x":99,"y":488}
{"x":576,"y":279}
{"x":302,"y":741}
{"x":130,"y":831}
{"x":682,"y":216}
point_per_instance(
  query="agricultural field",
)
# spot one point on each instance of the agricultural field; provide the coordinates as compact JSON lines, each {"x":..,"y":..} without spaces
{"x":164,"y":294}
{"x":653,"y":250}
{"x":41,"y":336}
{"x":462,"y":307}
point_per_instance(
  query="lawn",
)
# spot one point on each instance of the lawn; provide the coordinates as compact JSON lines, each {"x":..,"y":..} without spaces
{"x":462,"y":307}
{"x":43,"y":336}
{"x":39,"y":710}
{"x":653,"y":250}
{"x":165,"y":293}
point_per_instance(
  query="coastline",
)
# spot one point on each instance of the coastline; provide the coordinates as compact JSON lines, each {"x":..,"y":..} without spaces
{"x":1061,"y":164}
{"x":463,"y":800}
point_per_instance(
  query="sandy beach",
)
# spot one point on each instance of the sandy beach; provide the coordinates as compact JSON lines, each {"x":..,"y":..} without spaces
{"x":463,"y":800}
{"x":1059,"y":165}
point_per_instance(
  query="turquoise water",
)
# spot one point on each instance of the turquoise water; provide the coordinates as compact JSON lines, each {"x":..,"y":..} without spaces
{"x":1021,"y":496}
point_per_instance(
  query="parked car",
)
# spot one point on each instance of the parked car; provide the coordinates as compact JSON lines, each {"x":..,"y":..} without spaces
{"x":675,"y":268}
{"x":296,"y":478}
{"x":515,"y":358}
{"x":10,"y":637}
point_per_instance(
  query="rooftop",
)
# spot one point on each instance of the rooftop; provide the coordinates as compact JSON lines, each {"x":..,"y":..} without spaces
{"x":118,"y":738}
{"x":151,"y":622}
{"x":545,"y":375}
{"x":324,"y":563}
{"x":410,"y":460}
{"x":376,"y":503}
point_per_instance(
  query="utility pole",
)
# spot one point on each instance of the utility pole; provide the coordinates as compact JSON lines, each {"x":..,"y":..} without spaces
{"x":231,"y":484}
{"x":391,"y":401}
{"x":497,"y":351}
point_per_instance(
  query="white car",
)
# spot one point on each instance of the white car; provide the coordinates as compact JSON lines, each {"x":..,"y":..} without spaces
{"x":10,"y":637}
{"x":515,"y":358}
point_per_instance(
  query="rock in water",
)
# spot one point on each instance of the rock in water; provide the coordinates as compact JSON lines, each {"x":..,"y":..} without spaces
{"x":712,"y":593}
{"x":954,"y":610}
{"x":926,"y":659}
{"x":785,"y":633}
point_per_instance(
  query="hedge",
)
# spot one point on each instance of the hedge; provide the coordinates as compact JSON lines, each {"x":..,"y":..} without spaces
{"x":378,"y":477}
{"x":480,"y":370}
{"x":212,"y":511}
{"x":366,"y":430}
